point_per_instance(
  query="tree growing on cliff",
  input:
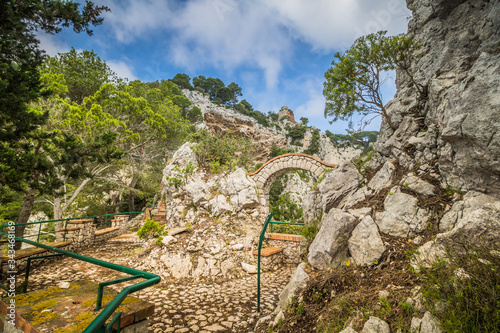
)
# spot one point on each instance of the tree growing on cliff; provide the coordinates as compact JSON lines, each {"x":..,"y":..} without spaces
{"x":353,"y":83}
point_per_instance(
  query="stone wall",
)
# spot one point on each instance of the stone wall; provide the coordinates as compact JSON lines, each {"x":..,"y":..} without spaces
{"x":77,"y":235}
{"x":291,"y":245}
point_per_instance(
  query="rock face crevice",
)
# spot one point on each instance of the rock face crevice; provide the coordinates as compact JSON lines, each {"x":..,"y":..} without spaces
{"x":459,"y":120}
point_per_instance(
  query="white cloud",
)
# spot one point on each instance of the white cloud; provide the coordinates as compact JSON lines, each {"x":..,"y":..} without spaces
{"x":259,"y":34}
{"x":121,"y":69}
{"x":51,"y":44}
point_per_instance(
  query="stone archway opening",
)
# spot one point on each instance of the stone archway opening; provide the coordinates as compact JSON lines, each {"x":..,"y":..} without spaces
{"x":267,"y":174}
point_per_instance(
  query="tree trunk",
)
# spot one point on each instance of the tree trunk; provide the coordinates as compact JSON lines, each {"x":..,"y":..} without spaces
{"x":388,"y":119}
{"x":28,"y":201}
{"x":58,"y":211}
{"x":131,"y":196}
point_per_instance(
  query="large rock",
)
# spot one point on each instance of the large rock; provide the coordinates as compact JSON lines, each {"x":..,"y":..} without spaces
{"x":184,"y":155}
{"x":219,"y":205}
{"x":383,"y":178}
{"x":298,"y":281}
{"x":471,"y":201}
{"x":401,"y":216}
{"x":335,"y":155}
{"x":240,"y":189}
{"x":311,"y":206}
{"x":365,"y":245}
{"x":197,"y":190}
{"x":339,"y":184}
{"x":179,"y":265}
{"x":429,"y":324}
{"x":418,"y":185}
{"x":330,"y":247}
{"x":376,"y":325}
{"x":478,"y":224}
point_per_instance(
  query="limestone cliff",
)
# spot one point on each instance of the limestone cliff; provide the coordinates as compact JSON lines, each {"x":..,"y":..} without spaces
{"x":456,"y":119}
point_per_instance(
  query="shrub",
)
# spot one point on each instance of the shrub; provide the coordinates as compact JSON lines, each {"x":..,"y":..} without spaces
{"x":463,"y":291}
{"x":150,"y":228}
{"x":225,"y":149}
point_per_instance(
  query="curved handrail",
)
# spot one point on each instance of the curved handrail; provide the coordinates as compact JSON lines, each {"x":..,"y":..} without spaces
{"x":98,"y":325}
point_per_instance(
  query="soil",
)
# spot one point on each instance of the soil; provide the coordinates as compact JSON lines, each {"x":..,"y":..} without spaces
{"x":353,"y":291}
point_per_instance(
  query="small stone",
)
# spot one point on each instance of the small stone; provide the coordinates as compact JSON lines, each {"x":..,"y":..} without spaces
{"x":250,"y":269}
{"x":64,"y":285}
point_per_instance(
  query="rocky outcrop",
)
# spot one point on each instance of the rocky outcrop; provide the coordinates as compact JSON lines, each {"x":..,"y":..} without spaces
{"x":383,"y":178}
{"x":339,"y":184}
{"x":298,"y":281}
{"x":401,"y":216}
{"x":365,"y":245}
{"x":311,"y":206}
{"x":219,"y":119}
{"x":455,"y":118}
{"x":477,"y":223}
{"x":330,"y":247}
{"x":197,"y":190}
{"x":335,"y":155}
{"x":375,"y":325}
{"x":240,"y":189}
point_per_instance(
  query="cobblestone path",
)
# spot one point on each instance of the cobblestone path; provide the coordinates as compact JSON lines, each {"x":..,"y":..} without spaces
{"x":180,"y":306}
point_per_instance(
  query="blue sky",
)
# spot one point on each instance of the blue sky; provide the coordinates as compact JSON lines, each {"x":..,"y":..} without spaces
{"x":276,"y":50}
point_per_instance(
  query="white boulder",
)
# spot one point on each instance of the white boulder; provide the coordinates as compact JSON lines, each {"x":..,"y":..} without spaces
{"x":330,"y":247}
{"x":401,"y":216}
{"x":365,"y":245}
{"x":240,"y":189}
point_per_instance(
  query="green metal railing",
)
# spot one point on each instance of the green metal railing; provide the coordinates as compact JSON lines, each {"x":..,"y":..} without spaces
{"x":98,"y":325}
{"x":261,"y":239}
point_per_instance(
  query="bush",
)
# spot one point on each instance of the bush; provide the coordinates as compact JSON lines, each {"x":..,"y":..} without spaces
{"x":463,"y":291}
{"x":296,"y":133}
{"x":150,"y":228}
{"x":284,"y":209}
{"x":222,"y":152}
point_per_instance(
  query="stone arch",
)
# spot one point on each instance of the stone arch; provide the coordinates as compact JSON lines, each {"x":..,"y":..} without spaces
{"x":265,"y":176}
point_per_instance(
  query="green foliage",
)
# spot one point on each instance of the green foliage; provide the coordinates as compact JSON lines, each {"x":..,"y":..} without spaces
{"x":20,"y":58}
{"x":314,"y":145}
{"x":194,"y":115}
{"x":363,"y":159}
{"x":150,"y":228}
{"x":304,"y":120}
{"x":84,"y":73}
{"x":182,"y":81}
{"x":285,"y":209}
{"x":277,"y":151}
{"x":354,"y":81}
{"x":463,"y":291}
{"x":310,"y":231}
{"x":256,"y":167}
{"x":246,"y":108}
{"x":321,"y":178}
{"x":273,"y":116}
{"x":358,"y":139}
{"x":222,"y":152}
{"x":49,"y":228}
{"x":296,"y":133}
